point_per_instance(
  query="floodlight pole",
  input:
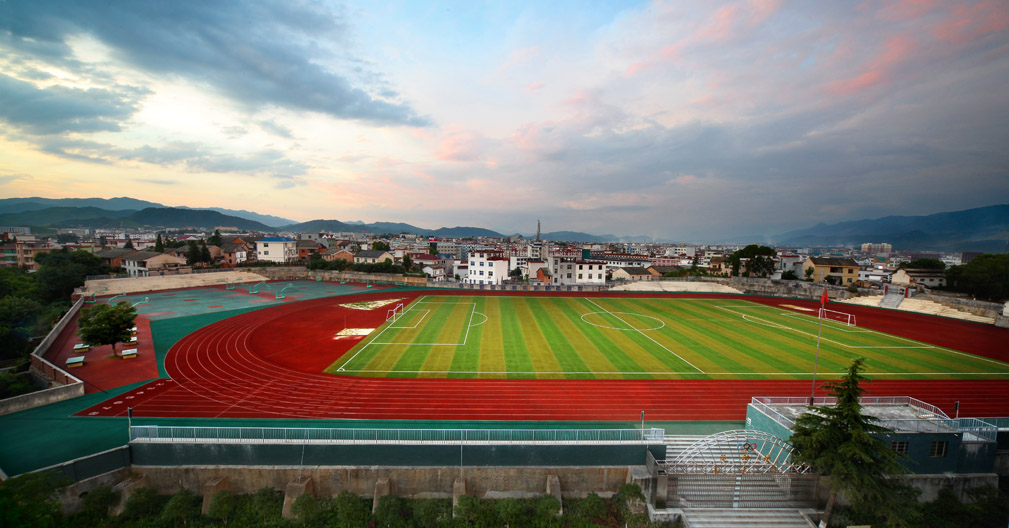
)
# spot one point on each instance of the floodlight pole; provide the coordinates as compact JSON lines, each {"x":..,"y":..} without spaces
{"x":816,"y":362}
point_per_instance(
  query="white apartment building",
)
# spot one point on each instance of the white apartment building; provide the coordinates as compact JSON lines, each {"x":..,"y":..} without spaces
{"x":486,"y":267}
{"x":277,"y":249}
{"x":575,"y":272}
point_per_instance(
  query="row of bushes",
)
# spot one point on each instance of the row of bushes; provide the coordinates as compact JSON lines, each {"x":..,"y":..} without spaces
{"x":28,"y":500}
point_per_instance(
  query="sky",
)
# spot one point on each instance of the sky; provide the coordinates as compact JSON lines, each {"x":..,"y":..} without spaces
{"x":682,"y":120}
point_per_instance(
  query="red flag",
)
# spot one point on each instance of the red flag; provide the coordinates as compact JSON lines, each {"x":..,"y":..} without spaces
{"x":824,"y":298}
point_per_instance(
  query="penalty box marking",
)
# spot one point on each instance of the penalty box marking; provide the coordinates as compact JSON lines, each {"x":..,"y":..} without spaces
{"x":757,"y":320}
{"x":343,"y":367}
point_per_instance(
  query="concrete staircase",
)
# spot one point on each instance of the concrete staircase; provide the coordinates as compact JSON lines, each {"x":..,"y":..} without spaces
{"x":891,"y":300}
{"x":741,"y":518}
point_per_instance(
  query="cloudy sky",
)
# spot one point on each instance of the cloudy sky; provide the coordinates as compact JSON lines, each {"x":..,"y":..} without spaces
{"x":684,"y":120}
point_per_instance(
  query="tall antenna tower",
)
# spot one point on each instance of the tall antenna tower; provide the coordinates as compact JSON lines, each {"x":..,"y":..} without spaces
{"x":537,"y":229}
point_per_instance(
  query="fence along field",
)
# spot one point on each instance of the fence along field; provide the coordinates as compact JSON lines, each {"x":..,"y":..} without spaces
{"x":637,"y":338}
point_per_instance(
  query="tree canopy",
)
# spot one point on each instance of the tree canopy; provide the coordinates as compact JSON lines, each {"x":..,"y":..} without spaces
{"x":923,"y":263}
{"x":379,"y":245}
{"x":847,"y":445}
{"x":104,"y":324}
{"x":760,"y":260}
{"x":986,"y":277}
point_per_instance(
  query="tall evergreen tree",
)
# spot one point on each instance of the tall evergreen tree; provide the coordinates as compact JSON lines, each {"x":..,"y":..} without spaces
{"x":205,"y":253}
{"x":192,"y":253}
{"x":841,"y":442}
{"x":159,"y":245}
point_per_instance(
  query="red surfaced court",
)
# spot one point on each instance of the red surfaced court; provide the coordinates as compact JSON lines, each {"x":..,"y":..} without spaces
{"x":267,"y":363}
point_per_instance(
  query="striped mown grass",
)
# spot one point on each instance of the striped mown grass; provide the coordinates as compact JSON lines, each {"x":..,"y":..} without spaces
{"x":640,"y":338}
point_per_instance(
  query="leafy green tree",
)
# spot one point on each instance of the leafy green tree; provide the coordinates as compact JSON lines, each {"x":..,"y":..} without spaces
{"x":392,"y":512}
{"x":128,"y":244}
{"x":352,"y":510}
{"x":789,"y":275}
{"x":925,"y":263}
{"x":96,"y":507}
{"x":224,"y":506}
{"x":103,"y":324}
{"x":546,"y":507}
{"x":29,"y":500}
{"x":512,"y":512}
{"x":144,"y":503}
{"x":407,"y":262}
{"x":379,"y":245}
{"x":159,"y":244}
{"x":60,"y":272}
{"x":428,"y":513}
{"x":841,"y":442}
{"x":215,"y":239}
{"x":67,"y":238}
{"x":261,"y":507}
{"x":19,"y":318}
{"x":986,"y":277}
{"x":760,"y":260}
{"x":182,"y":508}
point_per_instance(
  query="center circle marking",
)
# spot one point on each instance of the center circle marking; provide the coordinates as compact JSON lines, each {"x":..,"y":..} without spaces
{"x":660,"y":323}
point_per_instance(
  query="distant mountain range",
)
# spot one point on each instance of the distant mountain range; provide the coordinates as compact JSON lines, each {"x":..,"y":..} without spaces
{"x":984,"y":229}
{"x":17,"y":205}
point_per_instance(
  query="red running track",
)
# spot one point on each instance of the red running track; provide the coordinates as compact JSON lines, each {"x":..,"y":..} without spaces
{"x":247,"y":367}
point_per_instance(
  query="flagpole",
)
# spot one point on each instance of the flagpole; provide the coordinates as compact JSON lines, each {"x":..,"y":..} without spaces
{"x":819,"y":332}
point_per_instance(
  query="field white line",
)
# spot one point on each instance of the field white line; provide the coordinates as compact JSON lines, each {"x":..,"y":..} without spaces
{"x":485,"y":319}
{"x":372,"y":340}
{"x":469,"y":324}
{"x":772,"y":324}
{"x":836,"y":326}
{"x":426,"y":313}
{"x":680,"y":373}
{"x":644,"y":334}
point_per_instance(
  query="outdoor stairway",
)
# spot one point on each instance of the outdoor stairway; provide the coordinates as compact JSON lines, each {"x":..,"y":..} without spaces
{"x":753,"y":490}
{"x":676,"y":444}
{"x":891,"y":300}
{"x":741,"y":518}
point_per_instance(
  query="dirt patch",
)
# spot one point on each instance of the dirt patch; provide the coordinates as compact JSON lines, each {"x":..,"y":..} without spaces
{"x":370,"y":305}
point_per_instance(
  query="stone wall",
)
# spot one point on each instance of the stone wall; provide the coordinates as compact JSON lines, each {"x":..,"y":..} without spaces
{"x":407,"y":482}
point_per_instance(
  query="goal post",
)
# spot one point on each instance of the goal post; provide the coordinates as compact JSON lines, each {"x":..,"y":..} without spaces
{"x":841,"y":317}
{"x":394,"y":313}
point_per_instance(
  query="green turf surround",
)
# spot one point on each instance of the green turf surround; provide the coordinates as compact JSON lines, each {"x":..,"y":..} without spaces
{"x":637,"y":338}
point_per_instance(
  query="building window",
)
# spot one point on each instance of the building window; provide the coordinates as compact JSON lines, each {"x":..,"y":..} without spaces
{"x":938,"y":449}
{"x":569,"y":275}
{"x":579,"y":276}
{"x":899,"y":446}
{"x":266,"y":253}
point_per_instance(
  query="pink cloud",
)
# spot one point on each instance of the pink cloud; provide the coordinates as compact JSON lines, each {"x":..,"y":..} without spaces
{"x":896,"y":51}
{"x":966,"y":24}
{"x":534,"y":86}
{"x":458,"y":144}
{"x":907,"y":10}
{"x":519,"y":56}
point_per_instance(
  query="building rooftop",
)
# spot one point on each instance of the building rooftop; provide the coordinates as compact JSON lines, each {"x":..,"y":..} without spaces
{"x":901,"y":414}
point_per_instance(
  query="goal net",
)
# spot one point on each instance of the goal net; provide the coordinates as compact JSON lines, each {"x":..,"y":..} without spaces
{"x":394,"y":313}
{"x":841,"y":317}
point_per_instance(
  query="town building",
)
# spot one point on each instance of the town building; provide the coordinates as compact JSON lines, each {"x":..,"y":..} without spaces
{"x":277,"y":249}
{"x":839,"y":271}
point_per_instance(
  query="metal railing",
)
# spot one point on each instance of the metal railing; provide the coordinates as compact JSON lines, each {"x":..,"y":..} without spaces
{"x":930,"y":418}
{"x":291,"y":435}
{"x":1001,"y":423}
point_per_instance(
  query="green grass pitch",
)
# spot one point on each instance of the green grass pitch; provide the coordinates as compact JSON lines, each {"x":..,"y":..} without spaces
{"x":636,"y":338}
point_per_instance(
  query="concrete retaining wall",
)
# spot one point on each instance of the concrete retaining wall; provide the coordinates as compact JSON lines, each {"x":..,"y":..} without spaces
{"x":407,"y":482}
{"x":166,"y":282}
{"x":981,"y":308}
{"x":40,"y":398}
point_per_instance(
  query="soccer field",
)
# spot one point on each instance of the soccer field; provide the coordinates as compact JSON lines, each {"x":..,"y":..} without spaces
{"x":640,"y":338}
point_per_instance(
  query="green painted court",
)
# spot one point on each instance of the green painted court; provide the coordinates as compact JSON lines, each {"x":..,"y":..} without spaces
{"x":637,"y":338}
